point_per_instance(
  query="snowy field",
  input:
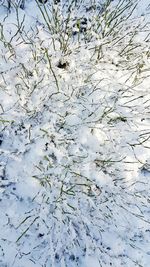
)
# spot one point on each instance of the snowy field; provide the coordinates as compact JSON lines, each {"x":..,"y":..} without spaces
{"x":75,"y":134}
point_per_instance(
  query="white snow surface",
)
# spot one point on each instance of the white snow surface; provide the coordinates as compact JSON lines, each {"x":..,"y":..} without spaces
{"x":74,"y":140}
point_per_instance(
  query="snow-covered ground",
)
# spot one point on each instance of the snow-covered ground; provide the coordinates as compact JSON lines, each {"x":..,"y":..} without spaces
{"x":75,"y":134}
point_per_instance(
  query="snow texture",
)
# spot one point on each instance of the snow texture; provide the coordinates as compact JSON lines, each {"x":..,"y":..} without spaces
{"x":74,"y":135}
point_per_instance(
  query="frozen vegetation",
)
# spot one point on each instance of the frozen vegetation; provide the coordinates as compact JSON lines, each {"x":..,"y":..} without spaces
{"x":75,"y":133}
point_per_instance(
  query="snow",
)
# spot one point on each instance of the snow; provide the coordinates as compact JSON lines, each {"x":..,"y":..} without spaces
{"x":74,"y":136}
